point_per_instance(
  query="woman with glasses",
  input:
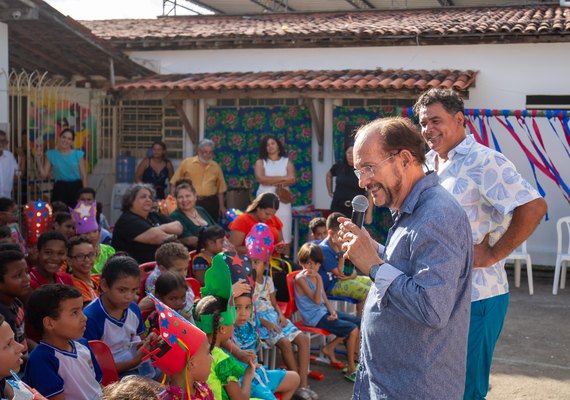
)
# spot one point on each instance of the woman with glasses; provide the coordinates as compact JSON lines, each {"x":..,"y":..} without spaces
{"x":69,"y":169}
{"x":80,"y":257}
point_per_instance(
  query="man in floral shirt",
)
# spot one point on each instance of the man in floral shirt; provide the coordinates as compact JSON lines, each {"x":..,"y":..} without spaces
{"x":503,"y":210}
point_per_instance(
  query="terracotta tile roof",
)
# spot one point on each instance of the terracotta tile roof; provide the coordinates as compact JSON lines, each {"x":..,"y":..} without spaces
{"x":327,"y":80}
{"x":386,"y":27}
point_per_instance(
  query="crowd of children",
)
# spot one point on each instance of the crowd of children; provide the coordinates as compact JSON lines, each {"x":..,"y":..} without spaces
{"x":62,"y":286}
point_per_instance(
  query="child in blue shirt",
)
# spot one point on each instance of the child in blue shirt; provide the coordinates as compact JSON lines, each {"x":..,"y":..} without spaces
{"x":62,"y":365}
{"x":316,"y":310}
{"x":115,"y":318}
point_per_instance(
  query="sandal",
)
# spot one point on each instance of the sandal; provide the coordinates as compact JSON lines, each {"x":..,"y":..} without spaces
{"x":345,"y":369}
{"x":303,"y":393}
{"x":314,"y":395}
{"x":337,"y":364}
{"x":351,"y":377}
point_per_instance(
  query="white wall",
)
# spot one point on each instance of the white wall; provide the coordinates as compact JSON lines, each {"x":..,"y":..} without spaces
{"x":3,"y":76}
{"x":506,"y":74}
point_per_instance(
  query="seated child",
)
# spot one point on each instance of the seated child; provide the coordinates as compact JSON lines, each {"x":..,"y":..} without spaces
{"x":6,"y":235}
{"x":88,"y":195}
{"x":63,"y":223}
{"x":335,"y":282}
{"x":9,"y":227}
{"x":274,"y":328}
{"x":14,"y":284}
{"x":318,"y":227}
{"x":52,"y":255}
{"x":316,"y":310}
{"x":210,"y":243}
{"x":215,"y":315}
{"x":62,"y":365}
{"x":132,"y":388}
{"x":80,"y":257}
{"x":170,"y":256}
{"x":182,"y":352}
{"x":85,"y":222}
{"x":170,"y":288}
{"x":115,"y":318}
{"x":11,"y":357}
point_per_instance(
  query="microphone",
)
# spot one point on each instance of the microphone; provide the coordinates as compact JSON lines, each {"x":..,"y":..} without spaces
{"x":359,"y":207}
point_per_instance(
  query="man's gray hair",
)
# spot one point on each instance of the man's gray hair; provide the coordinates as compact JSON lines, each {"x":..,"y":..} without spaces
{"x":205,"y":143}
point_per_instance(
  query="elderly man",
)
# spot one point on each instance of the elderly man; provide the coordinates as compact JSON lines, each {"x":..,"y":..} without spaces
{"x":503,"y":211}
{"x":416,"y":315}
{"x":207,"y":178}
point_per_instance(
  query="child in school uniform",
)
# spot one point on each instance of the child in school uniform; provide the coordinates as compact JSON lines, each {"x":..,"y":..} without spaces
{"x":115,"y":318}
{"x":316,"y":310}
{"x":80,"y":257}
{"x":62,"y":366}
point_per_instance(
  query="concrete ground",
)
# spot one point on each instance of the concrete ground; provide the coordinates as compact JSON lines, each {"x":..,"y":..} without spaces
{"x":532,"y":358}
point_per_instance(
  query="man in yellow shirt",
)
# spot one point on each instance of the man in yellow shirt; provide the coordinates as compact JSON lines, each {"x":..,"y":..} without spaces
{"x":207,"y":178}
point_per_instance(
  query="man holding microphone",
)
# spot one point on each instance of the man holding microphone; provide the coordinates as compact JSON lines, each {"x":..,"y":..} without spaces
{"x":416,"y":317}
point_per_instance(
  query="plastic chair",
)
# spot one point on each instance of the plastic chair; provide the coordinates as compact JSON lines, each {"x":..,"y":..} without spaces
{"x":344,"y":303}
{"x":562,"y":258}
{"x":191,"y":256}
{"x":145,"y":269}
{"x":104,"y":358}
{"x":520,"y":254}
{"x":195,"y":286}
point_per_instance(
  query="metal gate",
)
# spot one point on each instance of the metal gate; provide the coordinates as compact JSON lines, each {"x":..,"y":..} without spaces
{"x":40,"y":107}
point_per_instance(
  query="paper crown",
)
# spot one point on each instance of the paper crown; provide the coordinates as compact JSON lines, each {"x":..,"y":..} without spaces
{"x":240,"y":268}
{"x":232,"y":214}
{"x":37,"y":220}
{"x":259,"y":242}
{"x":218,"y":282}
{"x":180,"y":340}
{"x":84,"y":217}
{"x":166,"y":206}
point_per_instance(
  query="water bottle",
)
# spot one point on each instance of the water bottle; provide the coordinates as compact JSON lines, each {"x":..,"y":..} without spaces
{"x":125,"y":168}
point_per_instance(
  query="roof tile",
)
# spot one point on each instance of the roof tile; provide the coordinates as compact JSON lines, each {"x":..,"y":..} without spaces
{"x":326,"y":80}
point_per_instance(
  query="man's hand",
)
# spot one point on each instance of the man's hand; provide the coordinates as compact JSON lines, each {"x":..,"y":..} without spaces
{"x":358,"y":246}
{"x":483,"y":256}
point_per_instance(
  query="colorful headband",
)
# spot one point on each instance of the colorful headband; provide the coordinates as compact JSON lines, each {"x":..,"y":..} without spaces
{"x":84,"y":217}
{"x":240,"y":268}
{"x":37,"y":220}
{"x":218,"y":282}
{"x":259,"y":242}
{"x":167,"y":206}
{"x":232,"y":214}
{"x":180,"y":340}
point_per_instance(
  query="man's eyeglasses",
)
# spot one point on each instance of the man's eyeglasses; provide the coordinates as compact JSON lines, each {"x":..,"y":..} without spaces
{"x":83,"y":257}
{"x":368,"y":171}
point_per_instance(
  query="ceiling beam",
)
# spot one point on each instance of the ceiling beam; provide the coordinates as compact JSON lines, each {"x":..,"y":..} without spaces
{"x":269,"y":5}
{"x":362,"y":4}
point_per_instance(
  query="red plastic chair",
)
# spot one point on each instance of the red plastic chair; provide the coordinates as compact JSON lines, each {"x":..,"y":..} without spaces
{"x":145,"y":269}
{"x":195,"y":286}
{"x":192,"y":255}
{"x":105,"y":360}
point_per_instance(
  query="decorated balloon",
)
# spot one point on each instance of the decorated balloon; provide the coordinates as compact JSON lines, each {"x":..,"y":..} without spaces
{"x":232,"y":214}
{"x":37,"y":220}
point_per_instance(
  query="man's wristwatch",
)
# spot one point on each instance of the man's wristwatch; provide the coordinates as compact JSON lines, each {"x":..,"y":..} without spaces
{"x":373,"y":270}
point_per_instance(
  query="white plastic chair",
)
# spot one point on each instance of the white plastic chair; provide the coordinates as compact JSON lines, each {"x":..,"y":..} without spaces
{"x":520,"y":254}
{"x":561,"y":258}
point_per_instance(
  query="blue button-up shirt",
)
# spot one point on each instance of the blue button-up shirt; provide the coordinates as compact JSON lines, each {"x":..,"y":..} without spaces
{"x":416,"y":317}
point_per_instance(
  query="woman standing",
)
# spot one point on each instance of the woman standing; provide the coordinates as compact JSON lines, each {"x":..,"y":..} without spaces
{"x":69,"y":169}
{"x":191,"y":216}
{"x":346,"y":184}
{"x":274,"y":169}
{"x":140,"y":231}
{"x":155,"y":170}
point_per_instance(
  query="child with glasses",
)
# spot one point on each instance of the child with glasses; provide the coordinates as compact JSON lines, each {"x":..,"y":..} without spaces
{"x":80,"y":258}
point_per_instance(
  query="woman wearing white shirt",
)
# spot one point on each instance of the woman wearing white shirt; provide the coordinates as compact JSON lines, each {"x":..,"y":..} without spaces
{"x":274,"y":169}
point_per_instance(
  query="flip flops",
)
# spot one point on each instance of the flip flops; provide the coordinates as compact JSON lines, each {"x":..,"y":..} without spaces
{"x":351,"y":377}
{"x":306,"y":394}
{"x":337,"y":364}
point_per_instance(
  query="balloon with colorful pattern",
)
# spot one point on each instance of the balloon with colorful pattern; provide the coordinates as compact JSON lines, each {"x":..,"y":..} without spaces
{"x":260,"y":242}
{"x":232,"y":214}
{"x":37,"y":220}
